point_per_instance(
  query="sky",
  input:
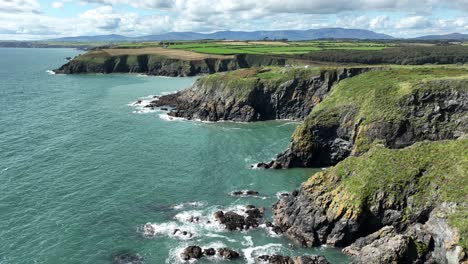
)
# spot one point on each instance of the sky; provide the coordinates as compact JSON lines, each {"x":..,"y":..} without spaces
{"x":42,"y":19}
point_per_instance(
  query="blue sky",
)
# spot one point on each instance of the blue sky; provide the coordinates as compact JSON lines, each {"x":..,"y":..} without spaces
{"x":43,"y":19}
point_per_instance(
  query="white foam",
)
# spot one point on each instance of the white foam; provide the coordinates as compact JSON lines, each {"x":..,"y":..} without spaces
{"x":167,"y":117}
{"x":251,"y":252}
{"x":170,"y":229}
{"x":189,"y":204}
{"x":248,"y":241}
{"x":50,"y":72}
{"x":279,"y":194}
{"x":213,"y":235}
{"x":289,"y":123}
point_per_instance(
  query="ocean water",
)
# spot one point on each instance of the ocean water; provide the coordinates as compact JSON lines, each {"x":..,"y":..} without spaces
{"x":81,"y":169}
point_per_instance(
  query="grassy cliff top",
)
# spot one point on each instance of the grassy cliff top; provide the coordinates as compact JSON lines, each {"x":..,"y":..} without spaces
{"x":428,"y":172}
{"x":380,"y":96}
{"x":241,"y":82}
{"x":101,"y":55}
{"x":377,"y":94}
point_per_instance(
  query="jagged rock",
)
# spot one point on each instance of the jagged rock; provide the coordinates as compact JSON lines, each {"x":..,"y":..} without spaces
{"x":278,"y":259}
{"x":384,"y":246}
{"x":234,"y":221}
{"x":209,"y":252}
{"x":214,"y":98}
{"x":227,"y":253}
{"x":388,"y":205}
{"x":244,"y":193}
{"x":426,"y":114}
{"x":191,"y":252}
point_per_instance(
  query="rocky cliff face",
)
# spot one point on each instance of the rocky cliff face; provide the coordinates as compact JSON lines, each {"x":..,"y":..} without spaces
{"x":162,"y":65}
{"x":396,"y":115}
{"x":387,"y":206}
{"x":256,"y":94}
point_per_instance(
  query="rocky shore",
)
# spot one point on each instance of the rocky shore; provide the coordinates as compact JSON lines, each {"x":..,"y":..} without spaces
{"x":255,"y":94}
{"x":386,"y":206}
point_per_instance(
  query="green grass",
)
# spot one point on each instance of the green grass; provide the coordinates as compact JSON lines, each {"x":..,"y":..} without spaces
{"x":377,"y":96}
{"x":398,"y":173}
{"x":292,"y":48}
{"x":240,"y":83}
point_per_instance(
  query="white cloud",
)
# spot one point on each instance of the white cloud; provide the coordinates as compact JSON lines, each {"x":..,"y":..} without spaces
{"x":57,"y":4}
{"x":19,"y":6}
{"x":109,"y":16}
{"x":413,"y":22}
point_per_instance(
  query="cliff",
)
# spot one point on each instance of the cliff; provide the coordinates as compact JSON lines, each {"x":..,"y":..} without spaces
{"x":162,"y":62}
{"x":396,"y":107}
{"x":256,"y":94}
{"x":404,"y":205}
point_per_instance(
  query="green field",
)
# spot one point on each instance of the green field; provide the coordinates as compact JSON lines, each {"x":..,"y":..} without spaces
{"x":275,"y":48}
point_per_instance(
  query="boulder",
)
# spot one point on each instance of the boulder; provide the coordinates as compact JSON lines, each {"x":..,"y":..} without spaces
{"x":278,"y":259}
{"x":227,"y":253}
{"x":191,"y":252}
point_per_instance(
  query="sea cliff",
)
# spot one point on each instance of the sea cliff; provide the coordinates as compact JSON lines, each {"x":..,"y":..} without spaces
{"x":162,"y":62}
{"x":256,"y":94}
{"x":396,"y":107}
{"x":387,"y":206}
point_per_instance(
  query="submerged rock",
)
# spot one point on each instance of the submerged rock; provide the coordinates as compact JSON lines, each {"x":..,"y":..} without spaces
{"x":127,"y":258}
{"x":149,"y":230}
{"x":245,"y":193}
{"x":278,"y":259}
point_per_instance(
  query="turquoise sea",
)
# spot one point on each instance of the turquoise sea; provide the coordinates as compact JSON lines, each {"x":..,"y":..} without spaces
{"x":81,"y":169}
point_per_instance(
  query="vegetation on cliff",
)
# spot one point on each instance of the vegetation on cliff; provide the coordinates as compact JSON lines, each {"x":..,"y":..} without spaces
{"x":397,"y":107}
{"x":408,"y":189}
{"x":404,"y":55}
{"x":256,"y":94}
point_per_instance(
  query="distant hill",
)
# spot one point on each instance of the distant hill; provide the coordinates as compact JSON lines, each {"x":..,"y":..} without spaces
{"x":104,"y":38}
{"x":453,"y":36}
{"x":324,"y":33}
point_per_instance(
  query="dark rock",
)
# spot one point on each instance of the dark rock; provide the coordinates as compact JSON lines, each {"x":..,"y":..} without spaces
{"x":278,"y":259}
{"x":292,"y":99}
{"x":165,"y":66}
{"x":430,"y":115}
{"x":209,"y":252}
{"x":191,"y":252}
{"x":227,"y":253}
{"x":244,"y":193}
{"x":234,"y":221}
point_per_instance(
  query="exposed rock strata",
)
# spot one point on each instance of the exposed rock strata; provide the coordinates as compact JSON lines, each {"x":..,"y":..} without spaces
{"x":250,"y":98}
{"x":165,"y":66}
{"x":327,"y":138}
{"x":387,"y":206}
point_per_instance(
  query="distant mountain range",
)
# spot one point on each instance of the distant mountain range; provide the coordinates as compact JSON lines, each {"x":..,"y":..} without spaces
{"x":311,"y":34}
{"x":453,"y":36}
{"x":324,"y":33}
